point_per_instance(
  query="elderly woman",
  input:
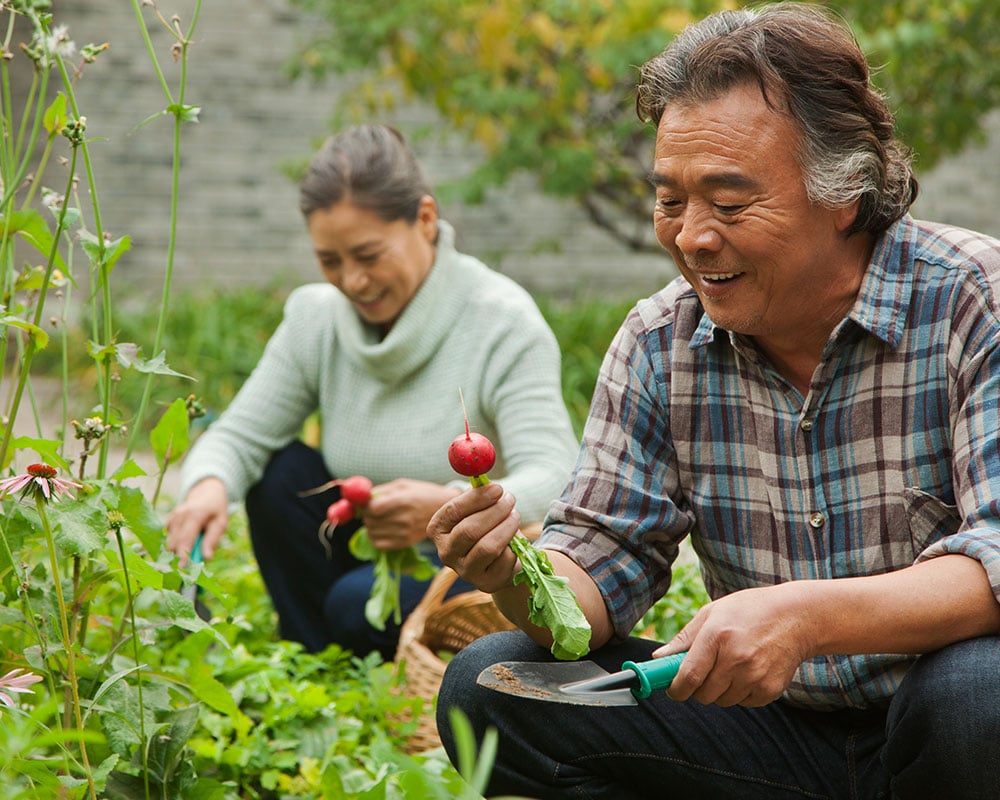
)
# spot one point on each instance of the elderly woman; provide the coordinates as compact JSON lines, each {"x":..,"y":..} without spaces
{"x":381,"y":350}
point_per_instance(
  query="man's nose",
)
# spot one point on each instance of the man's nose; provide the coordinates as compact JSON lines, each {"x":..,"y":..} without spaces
{"x":698,"y":231}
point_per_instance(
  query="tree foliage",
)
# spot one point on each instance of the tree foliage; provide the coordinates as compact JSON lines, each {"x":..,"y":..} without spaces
{"x":549,"y":88}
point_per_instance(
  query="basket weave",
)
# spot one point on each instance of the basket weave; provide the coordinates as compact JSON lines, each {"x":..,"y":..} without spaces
{"x":439,"y":625}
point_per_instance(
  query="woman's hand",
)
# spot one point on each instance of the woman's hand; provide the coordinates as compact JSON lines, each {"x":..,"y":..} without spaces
{"x":472,"y":533}
{"x":400,"y":510}
{"x":204,"y":510}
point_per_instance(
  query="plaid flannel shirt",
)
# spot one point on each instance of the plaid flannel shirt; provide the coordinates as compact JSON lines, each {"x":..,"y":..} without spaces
{"x":891,"y":458}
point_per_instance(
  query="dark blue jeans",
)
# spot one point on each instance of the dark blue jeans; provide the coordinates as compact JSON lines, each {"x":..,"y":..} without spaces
{"x":939,"y":738}
{"x":319,"y":597}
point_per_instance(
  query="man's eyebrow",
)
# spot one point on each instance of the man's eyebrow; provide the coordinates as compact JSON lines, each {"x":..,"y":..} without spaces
{"x":732,"y":180}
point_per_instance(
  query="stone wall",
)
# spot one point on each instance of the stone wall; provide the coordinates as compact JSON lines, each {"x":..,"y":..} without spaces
{"x":238,"y":221}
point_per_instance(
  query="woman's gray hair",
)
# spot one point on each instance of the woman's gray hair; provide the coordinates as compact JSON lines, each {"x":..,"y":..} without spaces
{"x":807,"y":62}
{"x":369,"y":166}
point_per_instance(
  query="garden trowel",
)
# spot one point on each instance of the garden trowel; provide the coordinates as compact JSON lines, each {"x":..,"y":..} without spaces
{"x":581,"y":683}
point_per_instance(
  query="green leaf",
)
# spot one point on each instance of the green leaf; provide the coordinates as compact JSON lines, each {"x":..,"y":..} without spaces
{"x":389,"y":567}
{"x":184,"y":113}
{"x":170,"y":437}
{"x":166,"y":752}
{"x":551,"y":602}
{"x":39,"y":337}
{"x":128,"y":469}
{"x":213,"y":693}
{"x":79,"y":527}
{"x":141,"y":574}
{"x":103,"y":255}
{"x":141,"y":517}
{"x":33,"y":229}
{"x":129,"y":355}
{"x":55,"y":115}
{"x":48,"y":450}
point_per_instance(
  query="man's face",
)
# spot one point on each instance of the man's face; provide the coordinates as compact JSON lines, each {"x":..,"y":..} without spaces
{"x":732,"y":210}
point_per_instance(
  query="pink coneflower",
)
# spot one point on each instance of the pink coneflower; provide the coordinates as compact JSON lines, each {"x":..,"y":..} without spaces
{"x":14,"y":682}
{"x":38,"y":479}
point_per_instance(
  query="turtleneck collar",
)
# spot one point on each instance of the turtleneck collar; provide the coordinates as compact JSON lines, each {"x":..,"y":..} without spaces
{"x":416,"y":332}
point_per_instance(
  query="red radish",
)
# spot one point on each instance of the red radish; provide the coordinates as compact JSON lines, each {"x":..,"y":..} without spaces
{"x":357,"y":490}
{"x":340,"y":512}
{"x":471,"y":455}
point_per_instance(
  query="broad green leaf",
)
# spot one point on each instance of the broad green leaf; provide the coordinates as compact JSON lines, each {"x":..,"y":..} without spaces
{"x":141,"y":573}
{"x":39,"y":337}
{"x":47,"y":450}
{"x":169,"y":438}
{"x":31,"y":226}
{"x":551,"y":602}
{"x":128,"y":469}
{"x":80,"y":528}
{"x":178,"y":610}
{"x":141,"y":517}
{"x":212,"y":692}
{"x":166,"y":752}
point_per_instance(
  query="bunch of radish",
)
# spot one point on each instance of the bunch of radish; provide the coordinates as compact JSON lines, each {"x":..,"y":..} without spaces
{"x":355,"y":494}
{"x":389,"y":565}
{"x":551,"y":602}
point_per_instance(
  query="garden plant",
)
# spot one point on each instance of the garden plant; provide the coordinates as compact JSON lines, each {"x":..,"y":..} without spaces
{"x":114,"y":684}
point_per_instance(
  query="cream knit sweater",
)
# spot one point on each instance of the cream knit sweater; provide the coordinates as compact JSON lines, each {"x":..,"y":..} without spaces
{"x":390,"y":407}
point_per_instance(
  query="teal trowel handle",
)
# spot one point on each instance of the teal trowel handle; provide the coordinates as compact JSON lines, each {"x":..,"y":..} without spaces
{"x":654,"y":674}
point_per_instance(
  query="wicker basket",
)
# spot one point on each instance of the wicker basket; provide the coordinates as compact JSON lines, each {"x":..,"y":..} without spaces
{"x":440,"y":625}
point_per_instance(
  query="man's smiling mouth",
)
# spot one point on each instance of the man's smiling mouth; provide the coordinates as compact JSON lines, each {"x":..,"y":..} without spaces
{"x":721,"y":276}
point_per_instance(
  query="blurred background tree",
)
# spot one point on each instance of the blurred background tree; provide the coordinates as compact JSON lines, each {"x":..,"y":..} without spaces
{"x":549,"y":88}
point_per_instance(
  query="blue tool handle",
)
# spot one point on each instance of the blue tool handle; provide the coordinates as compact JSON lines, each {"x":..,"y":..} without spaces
{"x":657,"y":673}
{"x":191,"y":592}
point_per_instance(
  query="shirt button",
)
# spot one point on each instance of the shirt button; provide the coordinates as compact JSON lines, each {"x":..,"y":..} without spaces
{"x":806,"y":424}
{"x":817,"y":520}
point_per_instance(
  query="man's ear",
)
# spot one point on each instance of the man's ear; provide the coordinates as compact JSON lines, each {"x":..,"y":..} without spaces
{"x":844,"y":217}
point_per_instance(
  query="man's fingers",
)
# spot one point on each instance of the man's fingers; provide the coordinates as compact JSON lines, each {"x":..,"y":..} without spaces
{"x":448,"y":517}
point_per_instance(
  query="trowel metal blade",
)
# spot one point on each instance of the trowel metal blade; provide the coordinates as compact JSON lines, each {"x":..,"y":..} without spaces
{"x":548,"y":681}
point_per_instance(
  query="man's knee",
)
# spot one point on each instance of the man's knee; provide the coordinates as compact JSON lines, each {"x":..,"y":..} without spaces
{"x":943,"y":727}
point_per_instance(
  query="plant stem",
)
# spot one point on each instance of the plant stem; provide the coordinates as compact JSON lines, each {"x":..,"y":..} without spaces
{"x":67,"y":639}
{"x":138,"y":664}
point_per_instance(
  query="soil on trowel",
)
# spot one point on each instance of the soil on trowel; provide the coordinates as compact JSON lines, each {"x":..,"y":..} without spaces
{"x":505,"y":676}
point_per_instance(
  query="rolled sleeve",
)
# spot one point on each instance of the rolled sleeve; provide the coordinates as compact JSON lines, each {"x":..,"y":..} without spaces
{"x":982,"y":544}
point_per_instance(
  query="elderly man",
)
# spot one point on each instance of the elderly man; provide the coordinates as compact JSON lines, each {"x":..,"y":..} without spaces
{"x":816,"y":403}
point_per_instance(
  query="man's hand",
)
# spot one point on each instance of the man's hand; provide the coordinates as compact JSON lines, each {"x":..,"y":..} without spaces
{"x":472,"y":533}
{"x":743,"y":649}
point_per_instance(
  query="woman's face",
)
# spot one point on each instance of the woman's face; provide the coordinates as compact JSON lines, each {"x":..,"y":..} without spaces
{"x":377,"y":265}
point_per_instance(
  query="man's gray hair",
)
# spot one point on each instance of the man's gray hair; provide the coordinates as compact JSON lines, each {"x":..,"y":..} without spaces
{"x":808,"y":64}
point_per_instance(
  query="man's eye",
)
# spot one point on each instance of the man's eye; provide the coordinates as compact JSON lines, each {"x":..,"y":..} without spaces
{"x":729,"y":210}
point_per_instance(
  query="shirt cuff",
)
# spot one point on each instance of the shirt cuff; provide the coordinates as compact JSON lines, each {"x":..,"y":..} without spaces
{"x":982,"y":544}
